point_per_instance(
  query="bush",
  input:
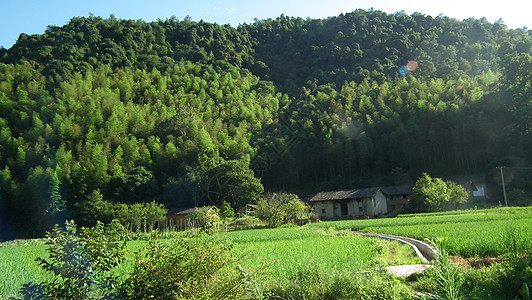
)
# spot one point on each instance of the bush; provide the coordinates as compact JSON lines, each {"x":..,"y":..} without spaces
{"x":519,"y":197}
{"x":433,"y":194}
{"x":277,"y":209}
{"x":82,"y":261}
{"x":186,"y":268}
{"x":247,"y":222}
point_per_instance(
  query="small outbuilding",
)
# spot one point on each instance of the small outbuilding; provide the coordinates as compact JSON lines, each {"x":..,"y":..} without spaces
{"x":179,"y":218}
{"x":248,"y":209}
{"x":358,"y":203}
{"x":397,"y":196}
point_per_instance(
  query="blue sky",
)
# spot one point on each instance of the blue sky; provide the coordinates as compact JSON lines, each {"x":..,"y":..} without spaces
{"x":33,"y":16}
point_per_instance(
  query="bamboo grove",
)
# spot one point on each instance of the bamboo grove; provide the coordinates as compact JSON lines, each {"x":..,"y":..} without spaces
{"x":190,"y":113}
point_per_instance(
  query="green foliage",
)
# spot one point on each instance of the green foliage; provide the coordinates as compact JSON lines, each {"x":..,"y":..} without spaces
{"x":433,"y":194}
{"x":94,"y":209}
{"x":220,"y":180}
{"x":139,"y":216}
{"x":186,"y":268}
{"x":206,"y":217}
{"x":226,"y":211}
{"x":312,"y":284}
{"x":519,"y":197}
{"x":136,"y":110}
{"x":447,"y":275}
{"x":277,"y":209}
{"x":81,"y":261}
{"x":154,"y":212}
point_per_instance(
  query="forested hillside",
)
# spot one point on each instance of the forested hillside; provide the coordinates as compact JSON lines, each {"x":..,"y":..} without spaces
{"x":187,"y":113}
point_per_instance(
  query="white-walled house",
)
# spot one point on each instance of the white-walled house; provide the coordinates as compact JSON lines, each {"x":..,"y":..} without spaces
{"x":358,"y":203}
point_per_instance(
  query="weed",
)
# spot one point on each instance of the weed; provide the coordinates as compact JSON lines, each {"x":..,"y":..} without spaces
{"x":447,"y":275}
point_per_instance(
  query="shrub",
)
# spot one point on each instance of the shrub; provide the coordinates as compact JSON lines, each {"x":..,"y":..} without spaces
{"x":519,"y":197}
{"x":433,"y":194}
{"x":82,"y":261}
{"x":206,"y":217}
{"x":277,"y":209}
{"x":186,"y":268}
{"x":226,"y":211}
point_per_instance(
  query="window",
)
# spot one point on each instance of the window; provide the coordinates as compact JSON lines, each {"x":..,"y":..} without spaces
{"x":323,"y":210}
{"x":360,"y":209}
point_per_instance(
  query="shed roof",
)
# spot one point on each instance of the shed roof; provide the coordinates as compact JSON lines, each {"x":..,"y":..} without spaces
{"x":183,"y":211}
{"x":347,"y":194}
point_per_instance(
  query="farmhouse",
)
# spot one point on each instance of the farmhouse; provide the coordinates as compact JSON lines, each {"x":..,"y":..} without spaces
{"x":367,"y":202}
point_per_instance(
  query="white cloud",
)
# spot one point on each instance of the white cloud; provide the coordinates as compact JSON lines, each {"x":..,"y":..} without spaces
{"x":231,"y":9}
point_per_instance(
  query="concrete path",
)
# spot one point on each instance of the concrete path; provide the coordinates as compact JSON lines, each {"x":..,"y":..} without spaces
{"x":407,"y":270}
{"x":423,"y":250}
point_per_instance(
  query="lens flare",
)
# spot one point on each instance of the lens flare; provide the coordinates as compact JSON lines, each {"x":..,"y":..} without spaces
{"x":403,"y":70}
{"x":411,"y":65}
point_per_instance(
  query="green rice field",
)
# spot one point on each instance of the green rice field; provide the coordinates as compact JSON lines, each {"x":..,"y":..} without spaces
{"x":18,"y":265}
{"x":287,"y":251}
{"x":281,"y":253}
{"x":323,"y":247}
{"x":472,"y":233}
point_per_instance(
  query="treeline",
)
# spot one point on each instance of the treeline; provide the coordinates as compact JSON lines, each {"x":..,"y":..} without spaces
{"x":190,"y":113}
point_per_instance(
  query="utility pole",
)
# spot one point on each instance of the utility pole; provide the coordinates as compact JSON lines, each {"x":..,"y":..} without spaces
{"x":503,"y":186}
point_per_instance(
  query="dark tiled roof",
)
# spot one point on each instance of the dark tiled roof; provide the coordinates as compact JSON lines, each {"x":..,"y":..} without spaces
{"x":466,"y":179}
{"x":344,"y":195}
{"x":180,"y":211}
{"x":398,"y":190}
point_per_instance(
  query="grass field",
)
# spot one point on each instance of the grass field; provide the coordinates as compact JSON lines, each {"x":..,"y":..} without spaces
{"x":18,"y":265}
{"x":325,"y":247}
{"x":289,"y":250}
{"x":281,"y":253}
{"x":472,"y":233}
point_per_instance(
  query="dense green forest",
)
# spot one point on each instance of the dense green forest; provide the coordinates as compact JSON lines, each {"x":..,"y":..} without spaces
{"x":187,"y":113}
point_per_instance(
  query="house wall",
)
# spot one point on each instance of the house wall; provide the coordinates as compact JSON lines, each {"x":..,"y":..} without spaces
{"x":324,"y":209}
{"x":396,"y":202}
{"x":480,"y":190}
{"x":366,"y":207}
{"x":174,"y":222}
{"x":357,"y":206}
{"x":380,"y":206}
{"x":372,"y":207}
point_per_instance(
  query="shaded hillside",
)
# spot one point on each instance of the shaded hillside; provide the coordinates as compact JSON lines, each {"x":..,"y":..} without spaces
{"x":184,"y":113}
